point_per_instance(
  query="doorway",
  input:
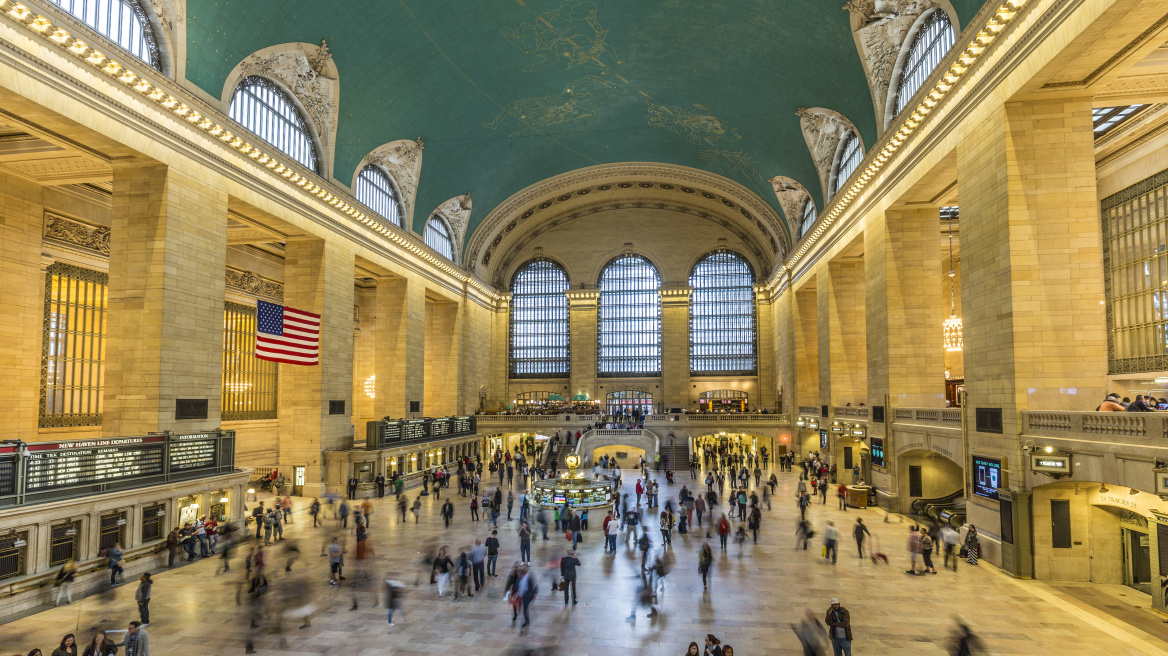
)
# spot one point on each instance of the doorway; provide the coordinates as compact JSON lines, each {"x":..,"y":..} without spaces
{"x":915,"y":486}
{"x":297,"y":481}
{"x":1137,"y":555}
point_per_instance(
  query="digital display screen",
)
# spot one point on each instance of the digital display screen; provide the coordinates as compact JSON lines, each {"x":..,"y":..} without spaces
{"x":70,"y":464}
{"x":462,"y":425}
{"x":878,"y":451}
{"x":823,"y":440}
{"x":987,"y":476}
{"x":414,"y":430}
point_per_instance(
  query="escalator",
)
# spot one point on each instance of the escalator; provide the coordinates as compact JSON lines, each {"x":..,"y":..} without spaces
{"x":949,"y":509}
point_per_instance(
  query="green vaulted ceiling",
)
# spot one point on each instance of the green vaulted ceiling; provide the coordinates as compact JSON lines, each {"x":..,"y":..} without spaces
{"x":506,"y":93}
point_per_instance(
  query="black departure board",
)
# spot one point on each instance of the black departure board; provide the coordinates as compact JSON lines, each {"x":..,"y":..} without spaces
{"x":414,"y":430}
{"x":462,"y":426}
{"x":70,"y":464}
{"x":392,"y":431}
{"x":440,"y":428}
{"x":7,"y":475}
{"x":195,"y":451}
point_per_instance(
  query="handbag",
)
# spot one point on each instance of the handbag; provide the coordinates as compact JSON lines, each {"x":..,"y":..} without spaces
{"x":568,"y":536}
{"x":964,"y":553}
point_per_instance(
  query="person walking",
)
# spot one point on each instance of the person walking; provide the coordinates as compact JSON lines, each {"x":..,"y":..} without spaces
{"x":914,"y":549}
{"x":700,"y":508}
{"x":492,"y":553}
{"x":830,"y":542}
{"x":447,"y":512}
{"x":64,"y":581}
{"x":380,"y":480}
{"x":754,"y":521}
{"x":474,"y":509}
{"x":526,"y":588}
{"x":842,"y":492}
{"x":705,"y":561}
{"x":804,"y":501}
{"x":142,"y":596}
{"x":343,"y":513}
{"x":949,"y":539}
{"x":723,"y":530}
{"x":574,"y":525}
{"x":441,"y":571}
{"x":611,"y":531}
{"x":839,"y":623}
{"x":510,"y":503}
{"x":478,"y":557}
{"x":524,"y":543}
{"x":335,"y":554}
{"x":115,"y":563}
{"x":417,"y":508}
{"x":859,"y":531}
{"x":640,"y":490}
{"x":568,"y":565}
{"x":810,"y":633}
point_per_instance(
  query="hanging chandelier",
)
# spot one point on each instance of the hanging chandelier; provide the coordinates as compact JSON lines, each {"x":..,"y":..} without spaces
{"x":952,"y":325}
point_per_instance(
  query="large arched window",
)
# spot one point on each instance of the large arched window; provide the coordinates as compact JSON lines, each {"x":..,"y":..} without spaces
{"x":934,"y":38}
{"x":539,"y":321}
{"x":376,"y":190}
{"x":808,"y":218}
{"x":122,"y":21}
{"x":629,"y":326}
{"x":851,"y":155}
{"x":439,"y":237}
{"x":721,"y":316}
{"x":265,"y":109}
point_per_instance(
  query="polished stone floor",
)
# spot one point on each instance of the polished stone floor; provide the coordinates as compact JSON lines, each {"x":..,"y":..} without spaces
{"x":751,"y":603}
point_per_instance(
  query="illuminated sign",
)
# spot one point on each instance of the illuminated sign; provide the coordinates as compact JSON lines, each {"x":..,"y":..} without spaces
{"x":877,"y":453}
{"x":1054,"y":464}
{"x":987,"y":476}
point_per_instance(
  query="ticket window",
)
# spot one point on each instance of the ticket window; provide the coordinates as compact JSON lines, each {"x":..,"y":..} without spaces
{"x":364,"y":472}
{"x":218,"y":501}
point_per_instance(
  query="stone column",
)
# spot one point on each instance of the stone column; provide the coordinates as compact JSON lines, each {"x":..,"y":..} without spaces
{"x":1032,"y":275}
{"x":318,"y":278}
{"x":500,"y":368}
{"x":22,"y":305}
{"x":765,"y":340}
{"x":168,"y":250}
{"x":675,"y":385}
{"x":842,"y":350}
{"x":582,"y":306}
{"x":902,"y":264}
{"x":441,"y":358}
{"x":806,"y":348}
{"x":401,"y":347}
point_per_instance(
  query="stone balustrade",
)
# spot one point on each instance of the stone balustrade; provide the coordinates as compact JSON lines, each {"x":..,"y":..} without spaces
{"x":808,"y":410}
{"x":1095,"y":424}
{"x":948,"y":417}
{"x":851,"y":411}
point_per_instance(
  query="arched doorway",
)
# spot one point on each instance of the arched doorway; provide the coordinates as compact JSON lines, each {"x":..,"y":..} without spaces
{"x":629,"y":402}
{"x":724,"y":400}
{"x":929,"y":479}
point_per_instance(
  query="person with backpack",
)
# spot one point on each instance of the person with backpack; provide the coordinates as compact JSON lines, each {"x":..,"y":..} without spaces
{"x":754,"y":521}
{"x":705,"y":561}
{"x":463,"y":570}
{"x":644,"y":545}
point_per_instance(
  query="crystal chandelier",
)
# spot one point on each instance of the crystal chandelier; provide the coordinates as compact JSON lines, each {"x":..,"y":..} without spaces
{"x":952,"y":325}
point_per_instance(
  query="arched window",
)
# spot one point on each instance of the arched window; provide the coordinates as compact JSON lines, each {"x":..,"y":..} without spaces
{"x":539,"y":321}
{"x":850,"y":157}
{"x":439,"y":237}
{"x":721,"y":316}
{"x":122,"y":21}
{"x":265,"y":109}
{"x":629,"y":326}
{"x":934,"y":38}
{"x":808,"y":218}
{"x":376,"y":190}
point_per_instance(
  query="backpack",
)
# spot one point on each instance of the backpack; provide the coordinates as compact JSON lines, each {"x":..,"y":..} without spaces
{"x":463,"y":566}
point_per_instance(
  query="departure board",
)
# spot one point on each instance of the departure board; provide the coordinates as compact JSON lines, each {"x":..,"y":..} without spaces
{"x":195,"y":451}
{"x":392,"y":431}
{"x":70,"y":464}
{"x":414,"y":430}
{"x":462,"y":426}
{"x":7,"y":475}
{"x":439,"y":427}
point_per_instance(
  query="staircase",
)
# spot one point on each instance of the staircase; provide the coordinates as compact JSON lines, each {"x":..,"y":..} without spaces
{"x":674,"y":457}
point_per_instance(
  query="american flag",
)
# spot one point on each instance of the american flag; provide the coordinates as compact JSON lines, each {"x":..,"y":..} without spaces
{"x":288,"y":335}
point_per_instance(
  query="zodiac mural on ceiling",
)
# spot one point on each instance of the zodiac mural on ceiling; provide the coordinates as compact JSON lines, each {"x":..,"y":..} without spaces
{"x":578,"y":100}
{"x":571,"y":34}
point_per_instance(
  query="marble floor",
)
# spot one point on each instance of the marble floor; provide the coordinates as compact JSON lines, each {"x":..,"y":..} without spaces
{"x":751,"y":603}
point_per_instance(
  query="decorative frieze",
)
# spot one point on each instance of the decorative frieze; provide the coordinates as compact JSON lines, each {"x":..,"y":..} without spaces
{"x":456,"y":211}
{"x":822,"y":130}
{"x":253,"y":284}
{"x":77,"y":233}
{"x":791,"y":195}
{"x":402,"y":160}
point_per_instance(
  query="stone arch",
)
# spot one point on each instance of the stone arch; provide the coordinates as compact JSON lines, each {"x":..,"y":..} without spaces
{"x":311,"y":79}
{"x":880,"y":29}
{"x":608,"y":258}
{"x":509,"y":278}
{"x":792,"y":197}
{"x":456,"y":213}
{"x":599,"y":438}
{"x":885,"y":119}
{"x":823,"y":131}
{"x":401,"y":160}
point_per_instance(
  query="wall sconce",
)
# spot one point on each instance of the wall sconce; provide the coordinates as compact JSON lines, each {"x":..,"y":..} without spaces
{"x":121,"y":521}
{"x":160,"y":513}
{"x":20,"y":543}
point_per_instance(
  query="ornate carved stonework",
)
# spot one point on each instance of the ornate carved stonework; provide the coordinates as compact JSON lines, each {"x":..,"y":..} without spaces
{"x":253,"y":284}
{"x":457,"y":214}
{"x":880,"y":27}
{"x":79,"y":233}
{"x":402,"y":159}
{"x":791,"y":195}
{"x":309,"y":72}
{"x":171,"y":13}
{"x":822,"y":130}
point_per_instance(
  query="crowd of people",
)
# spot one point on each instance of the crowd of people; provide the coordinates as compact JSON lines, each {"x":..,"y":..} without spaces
{"x":1141,"y":404}
{"x":492,"y":499}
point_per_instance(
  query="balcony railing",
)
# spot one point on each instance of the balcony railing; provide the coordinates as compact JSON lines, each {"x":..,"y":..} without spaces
{"x":851,"y":411}
{"x":809,"y":410}
{"x":948,"y":417}
{"x":1095,"y":424}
